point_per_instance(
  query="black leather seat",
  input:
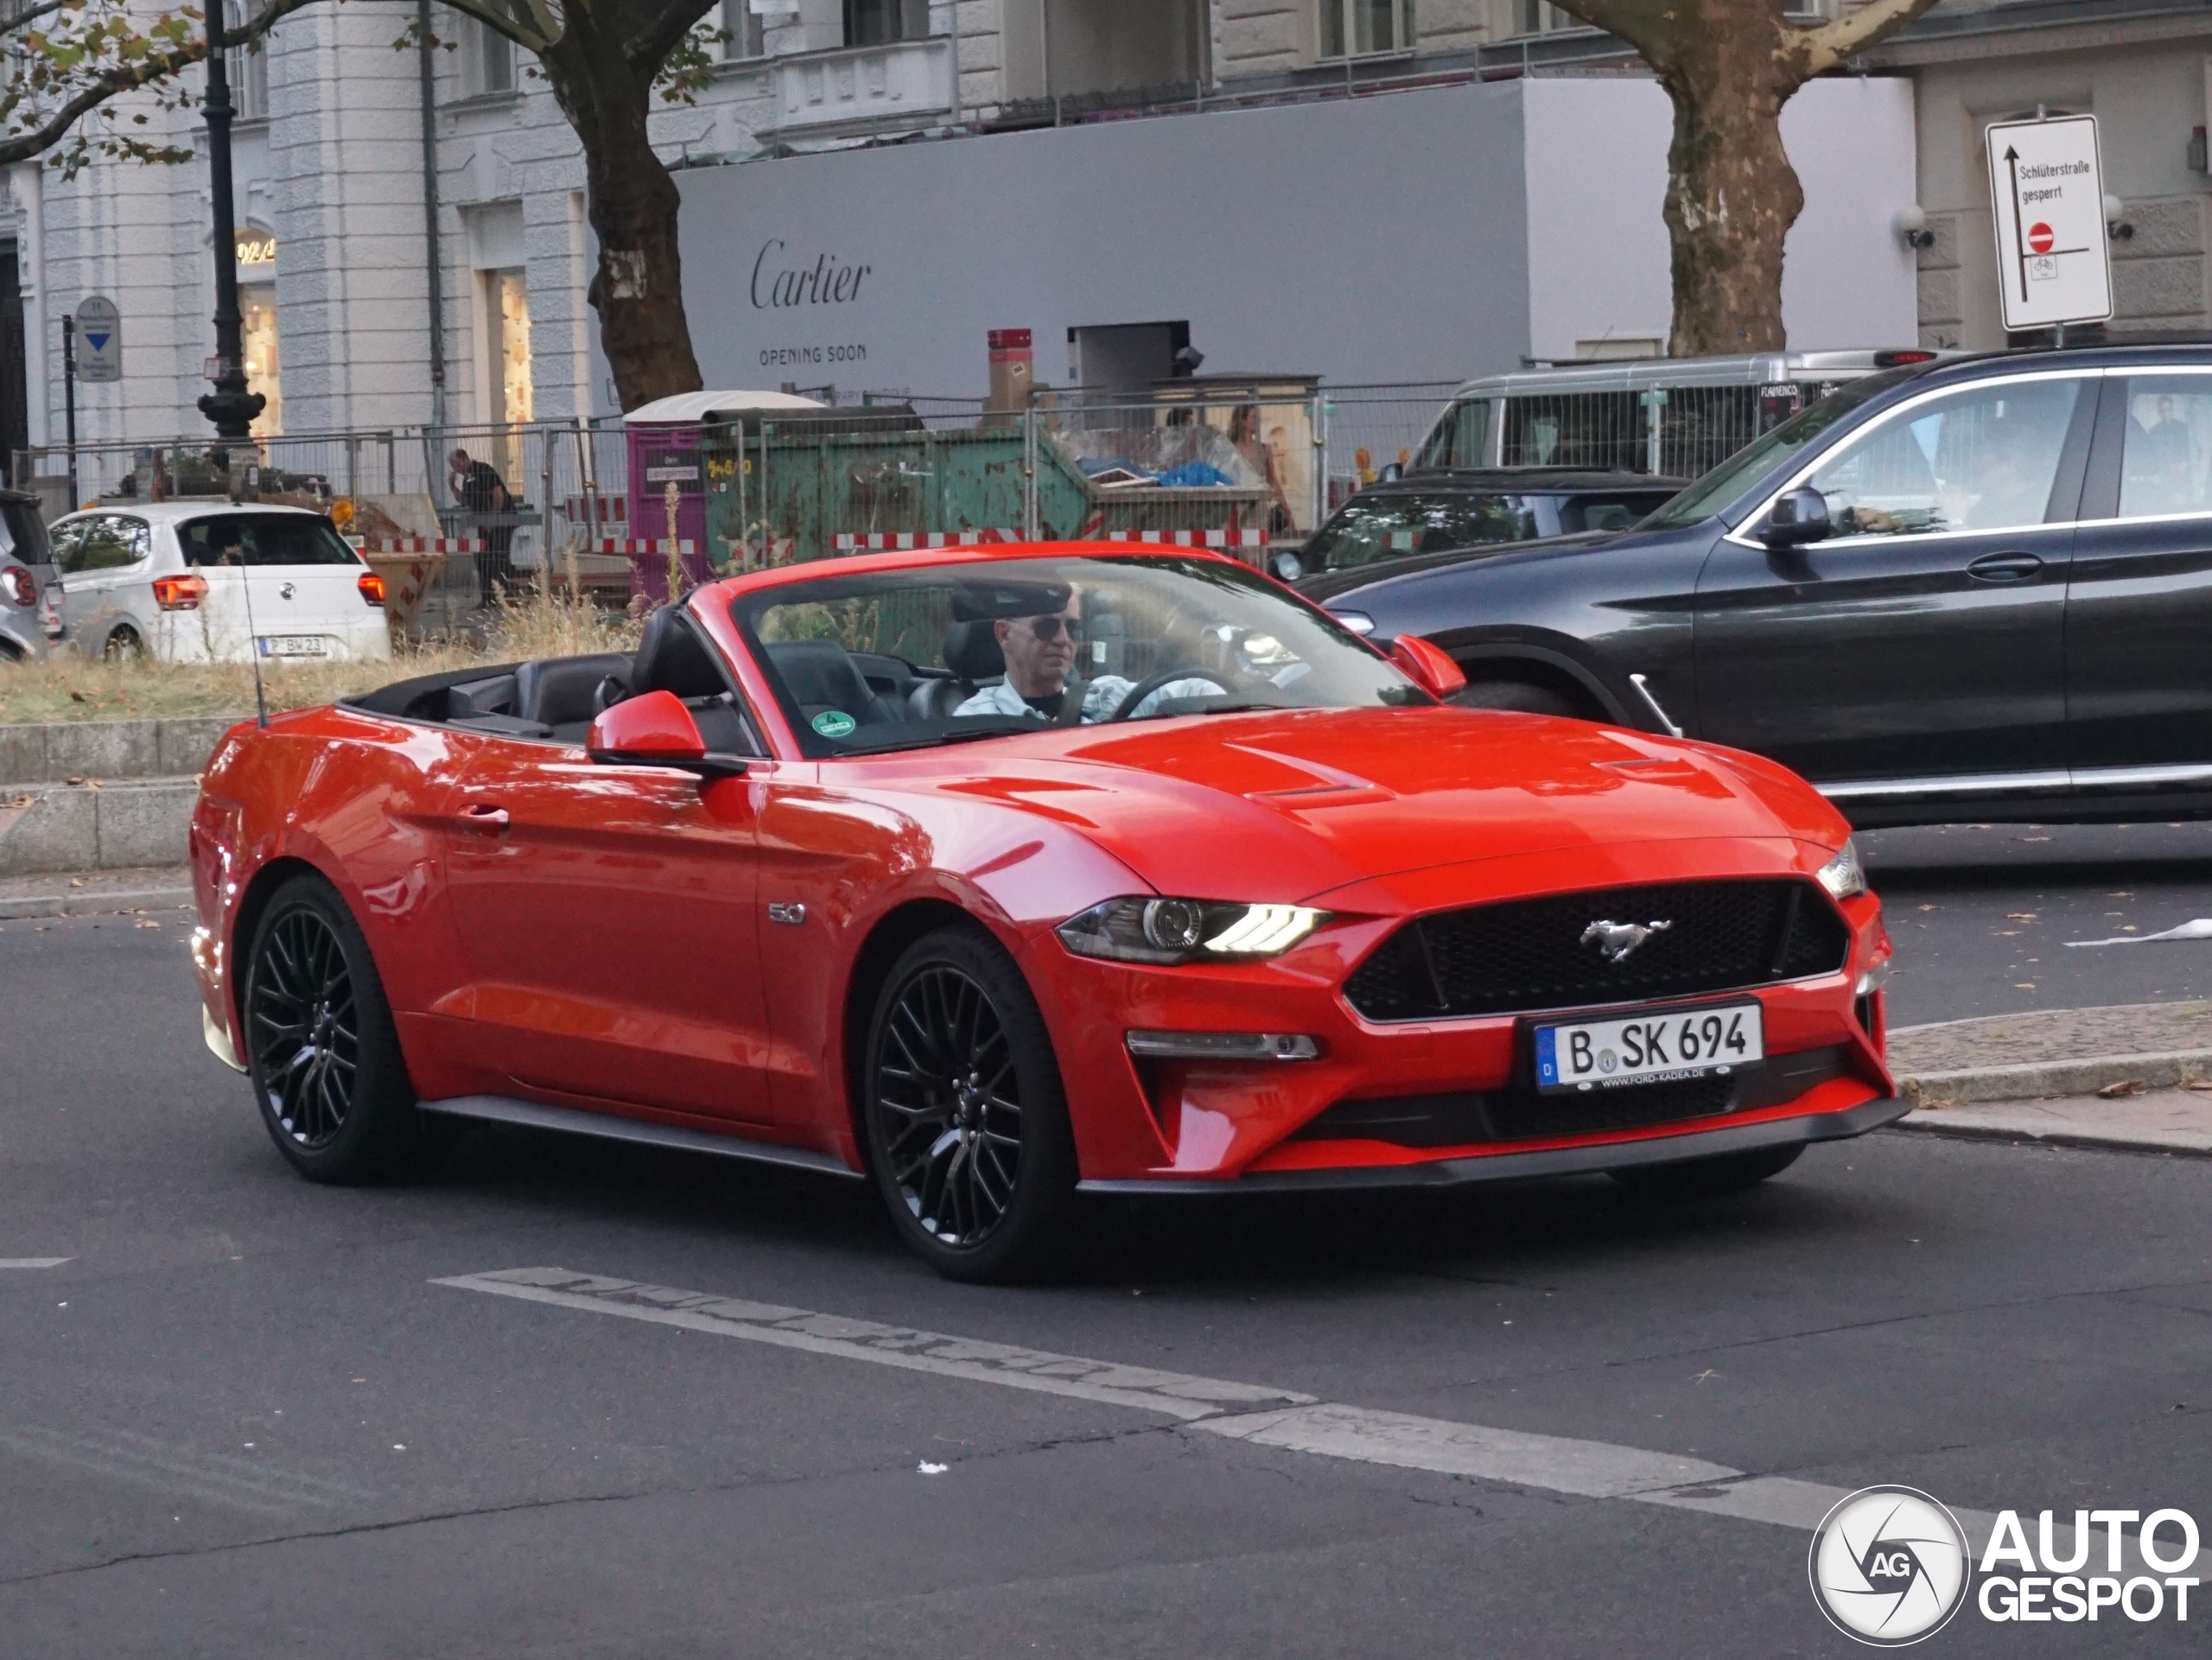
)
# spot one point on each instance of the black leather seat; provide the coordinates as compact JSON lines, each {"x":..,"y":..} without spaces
{"x":562,"y":691}
{"x":672,"y":656}
{"x":971,"y":652}
{"x":820,"y":678}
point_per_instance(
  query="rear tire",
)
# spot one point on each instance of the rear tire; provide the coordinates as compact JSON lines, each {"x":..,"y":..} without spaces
{"x":1517,"y":696}
{"x":962,"y":1112}
{"x":321,"y":1049}
{"x":124,"y":645}
{"x":1729,"y":1172}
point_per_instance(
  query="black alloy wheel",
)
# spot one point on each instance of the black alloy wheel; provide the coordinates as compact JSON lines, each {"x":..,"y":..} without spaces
{"x":304,"y":1027}
{"x":321,"y":1046}
{"x":966,"y":1124}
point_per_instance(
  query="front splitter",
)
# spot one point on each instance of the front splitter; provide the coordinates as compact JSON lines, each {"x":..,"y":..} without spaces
{"x":1547,"y":1162}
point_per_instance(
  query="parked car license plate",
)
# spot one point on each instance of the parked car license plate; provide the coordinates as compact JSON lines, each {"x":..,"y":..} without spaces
{"x":1653,"y":1048}
{"x":295,"y":646}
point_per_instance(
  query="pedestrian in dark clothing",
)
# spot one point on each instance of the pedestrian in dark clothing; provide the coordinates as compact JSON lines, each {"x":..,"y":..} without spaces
{"x":478,"y":488}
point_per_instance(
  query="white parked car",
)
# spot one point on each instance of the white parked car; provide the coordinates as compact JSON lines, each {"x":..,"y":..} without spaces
{"x":169,"y":580}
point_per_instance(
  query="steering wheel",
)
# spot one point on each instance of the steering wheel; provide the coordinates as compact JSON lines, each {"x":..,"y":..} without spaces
{"x":1153,"y":683}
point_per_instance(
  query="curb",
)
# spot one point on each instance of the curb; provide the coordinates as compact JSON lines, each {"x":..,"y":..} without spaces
{"x":95,"y":904}
{"x":2039,"y":1080}
{"x":1935,"y":1124}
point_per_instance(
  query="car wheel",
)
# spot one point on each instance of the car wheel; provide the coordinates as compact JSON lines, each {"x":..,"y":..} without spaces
{"x":321,"y":1046}
{"x":124,"y":645}
{"x":965,"y":1119}
{"x":1695,"y":1177}
{"x":1516,"y":695}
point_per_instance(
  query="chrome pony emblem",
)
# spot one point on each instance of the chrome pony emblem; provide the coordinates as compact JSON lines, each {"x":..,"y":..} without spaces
{"x":1617,"y":941}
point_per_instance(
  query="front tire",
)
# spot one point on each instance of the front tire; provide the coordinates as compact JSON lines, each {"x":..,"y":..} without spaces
{"x":321,"y":1049}
{"x":1728,"y":1173}
{"x":964,"y":1116}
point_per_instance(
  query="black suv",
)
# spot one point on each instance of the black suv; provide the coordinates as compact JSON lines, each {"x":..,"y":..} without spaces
{"x":1432,"y":511}
{"x":1978,"y":589}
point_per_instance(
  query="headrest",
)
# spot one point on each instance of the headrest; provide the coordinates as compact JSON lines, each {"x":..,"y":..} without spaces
{"x":672,"y":657}
{"x":971,"y":650}
{"x":818,"y":675}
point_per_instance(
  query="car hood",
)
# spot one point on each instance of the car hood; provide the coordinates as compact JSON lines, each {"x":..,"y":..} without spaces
{"x":1282,"y":806}
{"x":1325,"y":585}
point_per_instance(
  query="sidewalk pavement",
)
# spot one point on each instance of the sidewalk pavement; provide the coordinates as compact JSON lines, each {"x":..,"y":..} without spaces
{"x":153,"y":889}
{"x":2161,"y":1121}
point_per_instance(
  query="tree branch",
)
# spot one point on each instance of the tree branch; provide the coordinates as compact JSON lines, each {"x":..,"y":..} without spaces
{"x":1833,"y":43}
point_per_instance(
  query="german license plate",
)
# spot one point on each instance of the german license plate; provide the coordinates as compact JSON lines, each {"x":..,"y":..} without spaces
{"x":1650,"y":1048}
{"x":295,"y":646}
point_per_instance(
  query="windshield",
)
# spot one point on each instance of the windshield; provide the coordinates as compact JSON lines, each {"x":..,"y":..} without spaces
{"x":263,"y":539}
{"x":1736,"y":475}
{"x":915,"y":659}
{"x":1369,"y":528}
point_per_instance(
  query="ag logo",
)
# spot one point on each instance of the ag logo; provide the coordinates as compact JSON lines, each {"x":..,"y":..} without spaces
{"x":1889,"y":1566}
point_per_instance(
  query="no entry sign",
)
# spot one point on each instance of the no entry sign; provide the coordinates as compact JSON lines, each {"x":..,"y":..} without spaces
{"x":2047,"y":195}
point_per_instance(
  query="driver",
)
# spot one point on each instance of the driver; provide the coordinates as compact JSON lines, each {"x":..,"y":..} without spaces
{"x":1040,"y":653}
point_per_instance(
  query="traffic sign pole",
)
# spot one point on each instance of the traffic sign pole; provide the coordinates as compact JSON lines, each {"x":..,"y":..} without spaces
{"x":69,"y":397}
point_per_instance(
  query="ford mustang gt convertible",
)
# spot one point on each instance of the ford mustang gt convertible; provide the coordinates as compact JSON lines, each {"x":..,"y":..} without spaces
{"x":995,"y":876}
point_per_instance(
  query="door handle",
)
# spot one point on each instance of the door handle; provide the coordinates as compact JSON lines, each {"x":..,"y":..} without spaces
{"x":2004,"y":567}
{"x":482,"y":815}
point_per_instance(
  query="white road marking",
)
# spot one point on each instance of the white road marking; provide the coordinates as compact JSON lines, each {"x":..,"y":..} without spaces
{"x":34,"y":1261}
{"x":1246,"y":1412}
{"x":145,"y":1462}
{"x":1173,"y":1393}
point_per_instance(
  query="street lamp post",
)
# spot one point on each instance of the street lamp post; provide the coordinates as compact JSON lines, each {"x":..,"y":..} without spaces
{"x":230,"y":406}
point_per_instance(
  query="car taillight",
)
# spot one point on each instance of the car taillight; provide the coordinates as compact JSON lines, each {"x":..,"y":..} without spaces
{"x":372,"y":587}
{"x":180,"y":593}
{"x":21,"y":589}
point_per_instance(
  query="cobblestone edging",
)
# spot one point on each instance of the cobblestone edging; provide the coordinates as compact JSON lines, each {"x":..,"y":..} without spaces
{"x":2065,"y":1052}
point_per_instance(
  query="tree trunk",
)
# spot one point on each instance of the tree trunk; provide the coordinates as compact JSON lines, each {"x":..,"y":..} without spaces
{"x":631,"y":203}
{"x":1732,"y":194}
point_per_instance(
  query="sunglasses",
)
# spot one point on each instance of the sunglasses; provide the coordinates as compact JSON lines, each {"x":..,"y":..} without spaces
{"x":1052,"y":628}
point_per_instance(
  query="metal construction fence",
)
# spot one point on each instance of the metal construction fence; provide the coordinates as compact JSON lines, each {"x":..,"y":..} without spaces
{"x":612,"y":507}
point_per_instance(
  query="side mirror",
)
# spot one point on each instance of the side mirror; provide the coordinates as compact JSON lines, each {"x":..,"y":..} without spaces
{"x":1288,"y":566}
{"x":655,"y":729}
{"x":1430,"y":667}
{"x":1798,"y":517}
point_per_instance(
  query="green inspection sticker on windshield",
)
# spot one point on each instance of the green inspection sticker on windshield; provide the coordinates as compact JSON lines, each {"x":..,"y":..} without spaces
{"x":835,"y":723}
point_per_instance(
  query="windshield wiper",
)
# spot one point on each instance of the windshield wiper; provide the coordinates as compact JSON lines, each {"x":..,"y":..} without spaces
{"x":1005,"y":727}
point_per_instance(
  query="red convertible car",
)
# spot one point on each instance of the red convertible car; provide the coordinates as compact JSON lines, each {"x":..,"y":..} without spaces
{"x":997,"y":875}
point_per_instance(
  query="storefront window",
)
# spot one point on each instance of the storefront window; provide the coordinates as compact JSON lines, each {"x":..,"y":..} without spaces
{"x":257,"y":268}
{"x":507,"y":301}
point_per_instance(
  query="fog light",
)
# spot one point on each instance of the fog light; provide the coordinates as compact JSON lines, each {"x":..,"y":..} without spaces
{"x":1221,"y":1046}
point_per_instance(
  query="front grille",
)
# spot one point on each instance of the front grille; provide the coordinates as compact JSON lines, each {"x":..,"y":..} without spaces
{"x":1468,"y":1117}
{"x":1530,"y":954}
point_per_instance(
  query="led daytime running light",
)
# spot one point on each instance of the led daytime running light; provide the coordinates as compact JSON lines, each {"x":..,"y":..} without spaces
{"x":1264,"y":930}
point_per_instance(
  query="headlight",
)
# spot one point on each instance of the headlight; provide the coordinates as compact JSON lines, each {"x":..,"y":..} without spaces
{"x":1185,"y":931}
{"x":1843,"y":875}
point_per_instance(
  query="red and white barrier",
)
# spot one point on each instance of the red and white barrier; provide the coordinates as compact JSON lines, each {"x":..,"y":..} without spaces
{"x":1191,"y":538}
{"x":579,"y":509}
{"x":426,"y":544}
{"x":636,"y":545}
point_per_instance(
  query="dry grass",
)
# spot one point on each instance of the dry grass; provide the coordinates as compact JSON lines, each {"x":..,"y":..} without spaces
{"x":70,"y":689}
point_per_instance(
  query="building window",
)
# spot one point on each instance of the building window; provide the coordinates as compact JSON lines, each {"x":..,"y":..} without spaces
{"x":247,"y":67}
{"x":1540,"y":18}
{"x":506,"y":308}
{"x":257,"y":338}
{"x":1357,"y":28}
{"x":878,"y":22}
{"x":748,"y":38}
{"x":487,"y":59}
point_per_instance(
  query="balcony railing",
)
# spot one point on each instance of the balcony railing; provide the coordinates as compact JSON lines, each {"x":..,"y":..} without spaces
{"x":862,"y":88}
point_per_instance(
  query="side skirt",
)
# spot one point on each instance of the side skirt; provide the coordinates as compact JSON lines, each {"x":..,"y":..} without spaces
{"x":504,"y":1110}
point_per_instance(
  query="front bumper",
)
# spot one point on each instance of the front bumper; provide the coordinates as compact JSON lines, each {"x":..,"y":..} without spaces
{"x":1583,"y":1160}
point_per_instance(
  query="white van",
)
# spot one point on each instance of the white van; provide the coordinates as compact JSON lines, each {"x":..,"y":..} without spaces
{"x":168,"y":579}
{"x":1668,"y":417}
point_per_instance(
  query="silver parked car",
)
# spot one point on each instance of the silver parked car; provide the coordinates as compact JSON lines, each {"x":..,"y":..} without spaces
{"x":30,"y":589}
{"x":170,"y":580}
